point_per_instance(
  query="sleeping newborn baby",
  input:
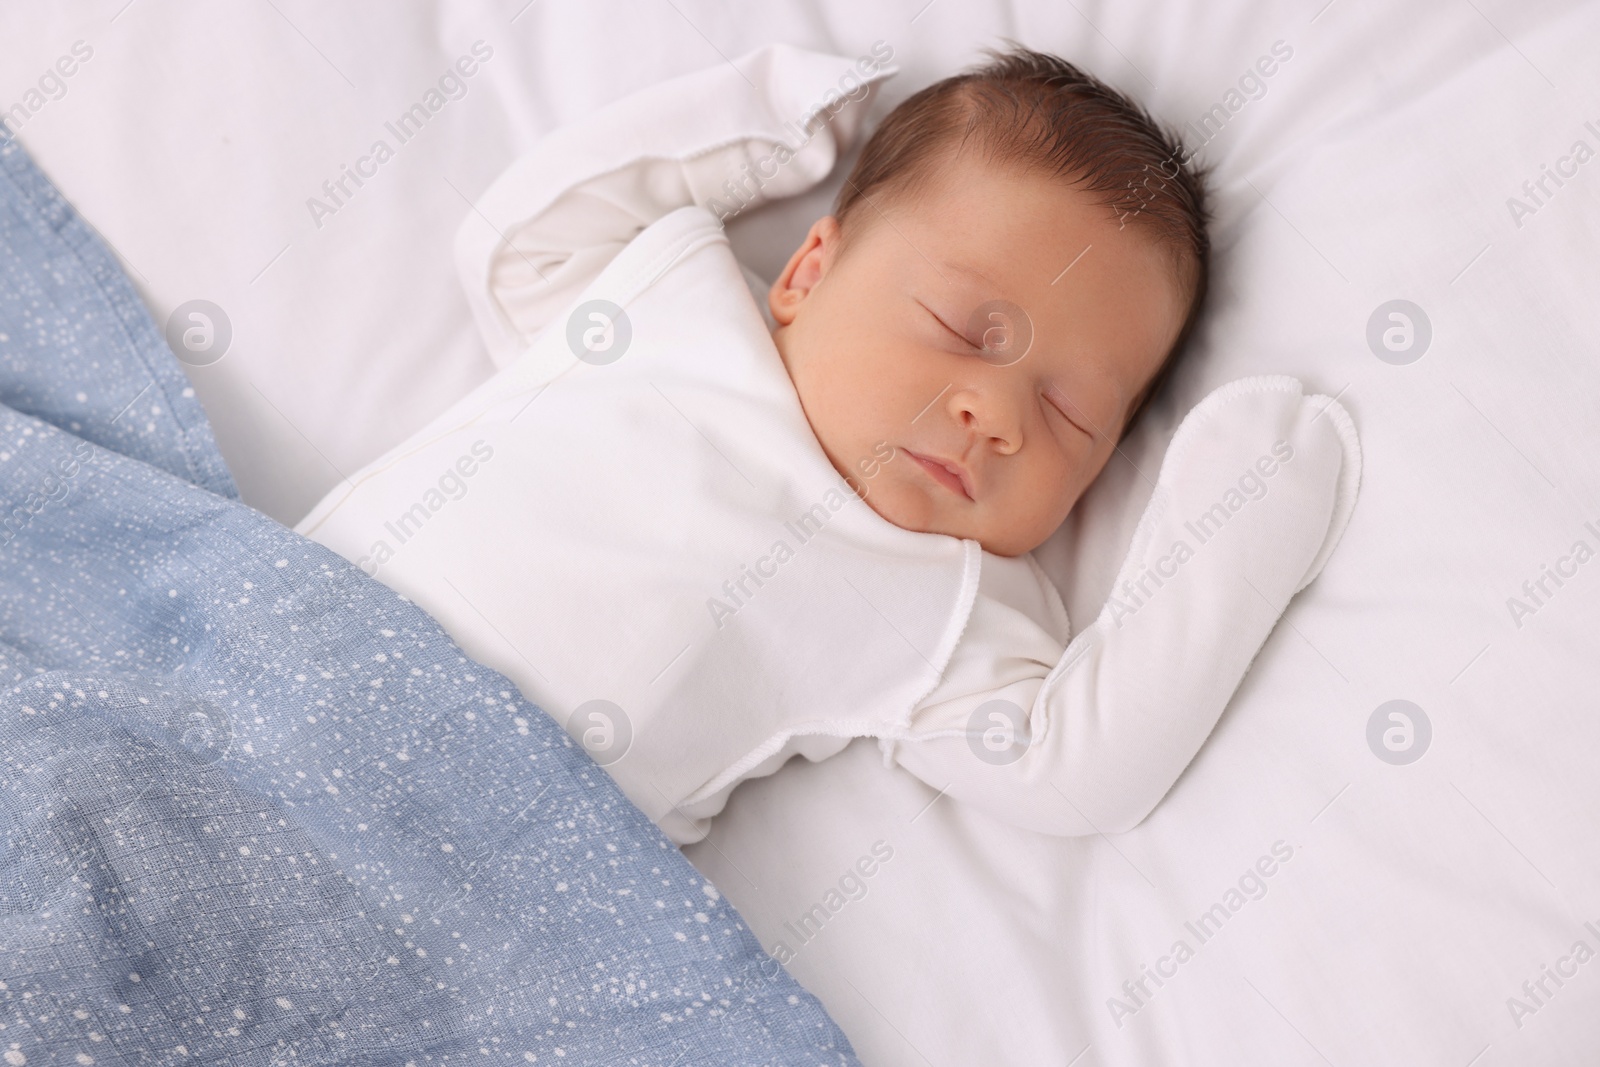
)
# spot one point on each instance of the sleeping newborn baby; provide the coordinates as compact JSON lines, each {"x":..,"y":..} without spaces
{"x":711,"y":524}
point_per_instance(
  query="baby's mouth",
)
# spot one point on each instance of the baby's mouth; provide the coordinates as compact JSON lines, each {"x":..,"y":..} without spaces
{"x":948,"y":475}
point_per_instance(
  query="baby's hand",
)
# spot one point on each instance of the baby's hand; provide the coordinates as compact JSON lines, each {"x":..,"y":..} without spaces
{"x":1256,"y":487}
{"x":1252,"y":497}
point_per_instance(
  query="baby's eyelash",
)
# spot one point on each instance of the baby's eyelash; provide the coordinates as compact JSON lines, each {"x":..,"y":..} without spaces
{"x":1059,"y":410}
{"x":948,"y":328}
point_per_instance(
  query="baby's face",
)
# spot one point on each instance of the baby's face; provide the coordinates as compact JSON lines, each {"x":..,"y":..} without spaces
{"x":885,"y":345}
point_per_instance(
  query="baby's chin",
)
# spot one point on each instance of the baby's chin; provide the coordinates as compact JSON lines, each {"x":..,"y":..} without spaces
{"x":910,"y":508}
{"x":906,"y":506}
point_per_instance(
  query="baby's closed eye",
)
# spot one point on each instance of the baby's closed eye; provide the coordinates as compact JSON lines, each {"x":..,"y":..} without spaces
{"x":1069,"y":411}
{"x":957,"y":334}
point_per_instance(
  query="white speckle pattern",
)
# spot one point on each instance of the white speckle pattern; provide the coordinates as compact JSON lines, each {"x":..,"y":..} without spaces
{"x":180,"y":877}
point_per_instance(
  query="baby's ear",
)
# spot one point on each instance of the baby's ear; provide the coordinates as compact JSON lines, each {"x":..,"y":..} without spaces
{"x":804,"y":270}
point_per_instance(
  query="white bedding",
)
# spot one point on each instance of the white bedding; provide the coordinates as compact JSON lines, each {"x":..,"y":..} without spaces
{"x":1376,"y":165}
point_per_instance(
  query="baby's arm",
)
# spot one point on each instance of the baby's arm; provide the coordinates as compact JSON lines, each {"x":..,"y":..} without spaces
{"x":769,"y":125}
{"x":1112,"y":725}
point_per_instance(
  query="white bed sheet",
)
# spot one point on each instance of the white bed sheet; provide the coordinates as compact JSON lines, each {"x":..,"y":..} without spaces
{"x":1377,"y":165}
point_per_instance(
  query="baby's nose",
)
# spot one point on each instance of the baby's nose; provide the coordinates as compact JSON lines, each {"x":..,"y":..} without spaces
{"x":989,"y":413}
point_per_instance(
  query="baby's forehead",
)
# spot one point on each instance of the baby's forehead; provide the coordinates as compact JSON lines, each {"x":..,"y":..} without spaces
{"x":972,"y":239}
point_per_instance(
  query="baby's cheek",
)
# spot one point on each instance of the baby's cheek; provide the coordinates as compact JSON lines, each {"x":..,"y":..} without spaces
{"x":1070,"y":477}
{"x":908,"y":503}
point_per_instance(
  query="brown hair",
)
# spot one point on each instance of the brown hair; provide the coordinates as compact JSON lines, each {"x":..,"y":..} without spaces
{"x":1036,"y":111}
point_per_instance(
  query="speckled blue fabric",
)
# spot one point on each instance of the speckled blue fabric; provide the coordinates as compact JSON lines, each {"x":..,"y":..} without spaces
{"x":255,"y":808}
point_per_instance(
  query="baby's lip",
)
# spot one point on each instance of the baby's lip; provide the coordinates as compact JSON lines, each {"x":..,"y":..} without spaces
{"x":946,"y":472}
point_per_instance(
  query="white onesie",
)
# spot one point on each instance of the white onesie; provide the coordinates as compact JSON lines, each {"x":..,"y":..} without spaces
{"x":633,"y":521}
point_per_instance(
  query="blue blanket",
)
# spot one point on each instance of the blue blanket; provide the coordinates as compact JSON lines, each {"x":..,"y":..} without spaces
{"x":255,"y":807}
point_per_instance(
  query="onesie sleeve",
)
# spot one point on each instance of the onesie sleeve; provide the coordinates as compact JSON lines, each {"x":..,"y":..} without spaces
{"x":768,"y":125}
{"x":1251,"y":499}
